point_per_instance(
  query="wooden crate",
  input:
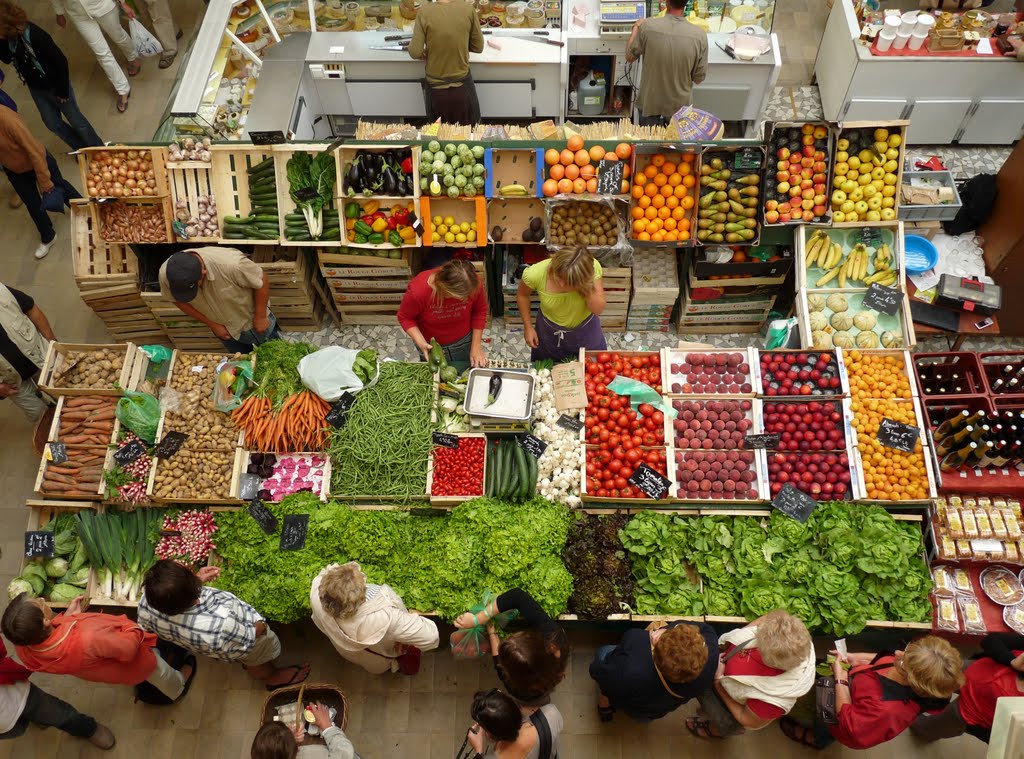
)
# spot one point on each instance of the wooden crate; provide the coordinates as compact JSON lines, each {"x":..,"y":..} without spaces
{"x":40,"y":514}
{"x":62,"y":403}
{"x":107,"y":235}
{"x":188,"y":180}
{"x":231,"y":181}
{"x":285,"y":204}
{"x":347,"y":154}
{"x":293,"y":299}
{"x":75,"y":452}
{"x":225,"y":496}
{"x":452,"y":500}
{"x":242,"y":463}
{"x":56,"y":356}
{"x":98,"y":264}
{"x":462,"y":210}
{"x":159,"y":156}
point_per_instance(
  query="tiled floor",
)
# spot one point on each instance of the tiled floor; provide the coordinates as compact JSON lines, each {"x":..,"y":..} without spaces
{"x":420,"y":718}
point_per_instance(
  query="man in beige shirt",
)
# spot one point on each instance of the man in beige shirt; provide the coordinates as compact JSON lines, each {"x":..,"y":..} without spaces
{"x":226,"y":291}
{"x":445,"y":33}
{"x":675,"y":54}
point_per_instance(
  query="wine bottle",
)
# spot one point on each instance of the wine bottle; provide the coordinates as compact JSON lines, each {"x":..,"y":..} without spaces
{"x":956,"y":440}
{"x":951,"y":425}
{"x":986,"y":454}
{"x":958,"y":458}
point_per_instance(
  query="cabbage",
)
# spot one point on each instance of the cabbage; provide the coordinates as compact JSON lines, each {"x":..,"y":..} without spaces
{"x":433,"y":146}
{"x":64,"y":593}
{"x":56,"y":567}
{"x":17,"y":586}
{"x":79,"y":577}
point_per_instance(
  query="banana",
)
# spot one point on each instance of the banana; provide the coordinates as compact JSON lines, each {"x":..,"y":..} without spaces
{"x":842,"y":270}
{"x":814,"y":249}
{"x":514,"y":190}
{"x":828,"y":277}
{"x":835,"y":255}
{"x":862,"y":264}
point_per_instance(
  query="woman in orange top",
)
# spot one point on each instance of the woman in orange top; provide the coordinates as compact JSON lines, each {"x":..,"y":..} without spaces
{"x":102,"y":648}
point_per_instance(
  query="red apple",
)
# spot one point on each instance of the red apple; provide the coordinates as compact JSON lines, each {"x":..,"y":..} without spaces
{"x":782,"y":165}
{"x":782,"y":176}
{"x":819,"y":200}
{"x":807,"y":193}
{"x":771,"y":217}
{"x":808,"y":151}
{"x":807,"y":163}
{"x":819,"y":179}
{"x":807,"y":184}
{"x":783,"y":153}
{"x":819,"y":167}
{"x":808,"y":215}
{"x":807,"y":129}
{"x":785,"y":218}
{"x":807,"y":204}
{"x":785,"y":207}
{"x":808,"y":139}
{"x":782,"y":188}
{"x":794,"y":191}
{"x":819,"y":210}
{"x":820,"y":132}
{"x":771,"y":205}
{"x":819,"y":155}
{"x":806,"y":174}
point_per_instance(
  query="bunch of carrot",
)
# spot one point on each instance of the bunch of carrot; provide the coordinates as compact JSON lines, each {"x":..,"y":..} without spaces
{"x":78,"y":476}
{"x":86,"y":420}
{"x":297,"y":426}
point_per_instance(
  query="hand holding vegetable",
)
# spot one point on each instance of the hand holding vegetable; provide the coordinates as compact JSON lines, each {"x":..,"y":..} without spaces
{"x":465,"y":620}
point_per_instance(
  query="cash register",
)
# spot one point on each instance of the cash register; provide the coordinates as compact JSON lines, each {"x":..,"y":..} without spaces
{"x":618,"y":16}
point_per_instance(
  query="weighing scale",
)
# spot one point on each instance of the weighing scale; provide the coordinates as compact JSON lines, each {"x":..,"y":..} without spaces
{"x":618,"y":16}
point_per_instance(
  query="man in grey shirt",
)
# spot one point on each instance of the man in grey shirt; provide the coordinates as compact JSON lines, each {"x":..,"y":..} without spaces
{"x":675,"y":54}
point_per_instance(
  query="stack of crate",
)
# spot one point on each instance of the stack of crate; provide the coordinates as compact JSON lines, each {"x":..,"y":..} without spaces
{"x":182,"y":331}
{"x":366,"y":289}
{"x":293,"y":297}
{"x":655,"y":290}
{"x":512,"y":269}
{"x":107,"y":275}
{"x":617,"y":282}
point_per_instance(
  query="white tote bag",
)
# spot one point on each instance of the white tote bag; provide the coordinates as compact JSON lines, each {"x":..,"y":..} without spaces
{"x":146,"y":45}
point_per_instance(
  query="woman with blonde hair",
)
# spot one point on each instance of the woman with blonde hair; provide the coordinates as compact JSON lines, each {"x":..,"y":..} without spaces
{"x":764,"y":668}
{"x":571,"y":302}
{"x":368,"y":624}
{"x":449,"y":305}
{"x":882,"y":694}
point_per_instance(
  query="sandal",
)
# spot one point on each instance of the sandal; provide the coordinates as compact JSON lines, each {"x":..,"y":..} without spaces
{"x":701,"y":728}
{"x":134,"y":67}
{"x":166,"y":61}
{"x":797,"y":732}
{"x":122,"y":103}
{"x":605,"y":713}
{"x":298,"y":676}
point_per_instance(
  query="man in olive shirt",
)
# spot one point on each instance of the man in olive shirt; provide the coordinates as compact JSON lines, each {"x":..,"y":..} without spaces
{"x":226,"y":291}
{"x":446,"y":32}
{"x":675,"y":54}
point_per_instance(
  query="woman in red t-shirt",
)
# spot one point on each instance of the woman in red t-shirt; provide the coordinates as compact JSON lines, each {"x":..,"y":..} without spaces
{"x":882,"y":694}
{"x":999,"y":673}
{"x":447,"y":304}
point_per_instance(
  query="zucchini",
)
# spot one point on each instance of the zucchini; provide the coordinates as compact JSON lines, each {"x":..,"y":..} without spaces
{"x":262,"y":200}
{"x":334,"y":233}
{"x":488,"y":473}
{"x":265,"y":217}
{"x":522,"y":470}
{"x":238,"y":220}
{"x":513,"y":479}
{"x":295,"y":217}
{"x":531,"y":477}
{"x":261,"y":166}
{"x":233,"y":234}
{"x":495,"y":467}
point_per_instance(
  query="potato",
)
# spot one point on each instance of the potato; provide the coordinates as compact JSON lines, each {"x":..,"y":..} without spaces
{"x":195,"y":475}
{"x":88,"y":369}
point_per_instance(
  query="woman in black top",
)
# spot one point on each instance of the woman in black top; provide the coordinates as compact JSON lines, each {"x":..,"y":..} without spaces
{"x":43,"y":68}
{"x":529,"y":663}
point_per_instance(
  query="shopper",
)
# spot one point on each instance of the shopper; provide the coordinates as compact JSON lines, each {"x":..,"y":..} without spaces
{"x":448,"y":304}
{"x":225,"y":291}
{"x":571,"y":302}
{"x":530,"y":663}
{"x":166,"y":30}
{"x":92,"y":18}
{"x":675,"y":55}
{"x":882,"y":694}
{"x":31,"y":169}
{"x":445,"y":33}
{"x":501,"y":730}
{"x":23,"y":703}
{"x":41,"y":65}
{"x":176,"y":606}
{"x":998,"y":674}
{"x":368,"y":624}
{"x":654,"y":672}
{"x":275,"y":740}
{"x":766,"y":667}
{"x":100,"y":648}
{"x":24,"y":338}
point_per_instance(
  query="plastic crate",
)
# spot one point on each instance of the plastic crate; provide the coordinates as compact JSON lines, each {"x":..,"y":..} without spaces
{"x":940,"y":212}
{"x":994,"y":368}
{"x":937,"y":410}
{"x":948,"y":374}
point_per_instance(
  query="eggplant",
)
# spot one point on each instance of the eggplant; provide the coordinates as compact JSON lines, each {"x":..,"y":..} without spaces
{"x":389,"y":185}
{"x":355,"y":178}
{"x":493,"y":388}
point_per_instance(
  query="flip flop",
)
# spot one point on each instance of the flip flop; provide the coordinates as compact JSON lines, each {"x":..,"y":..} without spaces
{"x":797,"y":732}
{"x":295,"y":678}
{"x":605,"y":713}
{"x":122,"y":103}
{"x":700,"y":728}
{"x":134,"y":67}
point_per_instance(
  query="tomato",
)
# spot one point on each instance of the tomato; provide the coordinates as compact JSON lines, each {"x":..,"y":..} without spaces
{"x":614,"y":465}
{"x":602,"y":493}
{"x":649,"y":424}
{"x":592,"y":368}
{"x":627,"y":443}
{"x":590,"y":422}
{"x":602,"y":390}
{"x":651,"y":457}
{"x":659,"y":418}
{"x":616,"y":403}
{"x":591,"y":469}
{"x":613,"y":440}
{"x":602,"y":414}
{"x":646,"y":409}
{"x":626,"y":472}
{"x":603,"y":435}
{"x":636,"y":361}
{"x":603,"y":358}
{"x":603,"y":402}
{"x":655,"y":375}
{"x":633,"y":456}
{"x":620,"y":483}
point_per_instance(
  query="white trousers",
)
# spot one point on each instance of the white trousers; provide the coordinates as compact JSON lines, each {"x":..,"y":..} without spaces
{"x":166,"y":679}
{"x":28,"y":400}
{"x":163,"y":26}
{"x":92,"y":30}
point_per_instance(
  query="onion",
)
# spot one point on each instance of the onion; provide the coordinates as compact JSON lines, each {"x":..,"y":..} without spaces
{"x":133,"y":153}
{"x":107,"y":176}
{"x":133,"y":165}
{"x":130,"y":183}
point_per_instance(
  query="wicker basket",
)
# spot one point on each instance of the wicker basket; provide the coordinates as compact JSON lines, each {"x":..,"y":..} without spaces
{"x":328,"y":695}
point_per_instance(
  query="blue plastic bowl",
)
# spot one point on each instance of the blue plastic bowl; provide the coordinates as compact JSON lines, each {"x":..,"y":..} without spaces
{"x":919,"y":254}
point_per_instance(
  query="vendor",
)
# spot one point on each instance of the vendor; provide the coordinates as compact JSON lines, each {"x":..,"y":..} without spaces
{"x":446,"y":32}
{"x":225,"y":291}
{"x":571,"y":302}
{"x":448,"y":304}
{"x":24,"y":335}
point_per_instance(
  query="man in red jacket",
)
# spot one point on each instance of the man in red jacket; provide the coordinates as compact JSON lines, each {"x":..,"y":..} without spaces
{"x":22,"y":704}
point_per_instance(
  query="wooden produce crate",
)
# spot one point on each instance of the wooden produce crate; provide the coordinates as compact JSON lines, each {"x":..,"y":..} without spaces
{"x":780,"y":136}
{"x":66,"y":405}
{"x":718,"y":499}
{"x":188,"y":181}
{"x":190,"y":459}
{"x":293,"y":299}
{"x":242,"y":464}
{"x":83,"y":456}
{"x":57,"y":361}
{"x":40,"y":514}
{"x":86,"y":156}
{"x":872,"y":234}
{"x":366,"y":289}
{"x":451,"y":500}
{"x":747,"y":163}
{"x":230,"y":166}
{"x":894,"y":128}
{"x":508,"y":166}
{"x":347,"y":153}
{"x":674,"y":382}
{"x":513,"y":216}
{"x":102,"y":211}
{"x":643,"y":502}
{"x":681,"y":153}
{"x":285,"y":204}
{"x":182,"y":330}
{"x":461,"y":210}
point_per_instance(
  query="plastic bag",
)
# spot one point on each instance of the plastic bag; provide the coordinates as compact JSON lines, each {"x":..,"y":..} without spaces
{"x":474,"y":642}
{"x":146,"y":45}
{"x":781,"y":334}
{"x":53,"y":201}
{"x":157,"y":353}
{"x":328,"y":372}
{"x":639,"y":393}
{"x":234,"y":378}
{"x":140,"y":412}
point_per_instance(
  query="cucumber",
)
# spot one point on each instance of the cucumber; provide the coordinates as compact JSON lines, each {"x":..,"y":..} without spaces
{"x":510,"y":469}
{"x":238,"y":220}
{"x":233,"y":234}
{"x":501,"y":483}
{"x":489,"y":473}
{"x":294,"y":217}
{"x":523,"y":471}
{"x":261,"y":166}
{"x":334,"y":233}
{"x":513,"y":480}
{"x":262,"y":200}
{"x":495,"y":466}
{"x":264,"y":217}
{"x":531,"y":477}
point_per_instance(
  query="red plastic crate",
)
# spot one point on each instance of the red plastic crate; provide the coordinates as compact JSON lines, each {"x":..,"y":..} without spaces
{"x":993,"y":366}
{"x":965,"y":365}
{"x":937,"y":409}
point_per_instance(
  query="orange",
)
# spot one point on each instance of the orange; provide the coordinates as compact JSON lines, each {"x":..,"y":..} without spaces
{"x":671,"y":236}
{"x":664,"y":213}
{"x":667,"y":191}
{"x":623,"y":150}
{"x":587,"y":171}
{"x":551,"y":157}
{"x":564,"y":185}
{"x":639,"y":225}
{"x":643,"y":236}
{"x":651,"y":213}
{"x":625,"y":186}
{"x":566,"y":157}
{"x":684,"y":224}
{"x":637,"y":191}
{"x":685,"y":169}
{"x":658,"y":160}
{"x":688,"y":157}
{"x":660,"y":179}
{"x":678,"y":214}
{"x":626,"y":171}
{"x":640,"y":179}
{"x":655,"y":225}
{"x":579,"y":185}
{"x":658,"y":237}
{"x":556,"y":172}
{"x":679,"y":192}
{"x":671,"y":202}
{"x":572,"y":171}
{"x":675,"y":179}
{"x":658,"y":201}
{"x":670,"y":224}
{"x":549,"y":188}
{"x":592,"y":184}
{"x":596,"y":153}
{"x":582,"y":157}
{"x":688,"y":180}
{"x":651,"y":189}
{"x":651,"y":171}
{"x":668,"y":168}
{"x":644,"y":201}
{"x":636,"y":212}
{"x":610,"y":157}
{"x":684,"y":236}
{"x":575,"y":143}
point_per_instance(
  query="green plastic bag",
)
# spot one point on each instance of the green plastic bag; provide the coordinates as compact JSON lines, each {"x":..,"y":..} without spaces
{"x":475,"y":642}
{"x":639,"y":393}
{"x":140,"y":412}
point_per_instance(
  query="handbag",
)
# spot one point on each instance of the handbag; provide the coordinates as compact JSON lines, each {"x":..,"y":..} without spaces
{"x":466,"y":751}
{"x":544,"y":738}
{"x":825,"y":700}
{"x":53,"y":201}
{"x":409,"y":662}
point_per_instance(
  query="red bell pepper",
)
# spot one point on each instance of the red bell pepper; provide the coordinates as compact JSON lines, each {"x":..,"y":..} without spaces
{"x":392,"y":222}
{"x":402,"y":215}
{"x":380,"y":215}
{"x":407,"y":166}
{"x":368,"y":218}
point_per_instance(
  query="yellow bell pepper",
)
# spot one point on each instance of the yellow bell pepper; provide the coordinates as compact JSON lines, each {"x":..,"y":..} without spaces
{"x":407,"y":233}
{"x":371,"y":207}
{"x":350,"y":224}
{"x":379,"y":225}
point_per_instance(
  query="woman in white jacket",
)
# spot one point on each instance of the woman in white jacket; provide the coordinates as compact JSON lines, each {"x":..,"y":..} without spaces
{"x":367,"y":624}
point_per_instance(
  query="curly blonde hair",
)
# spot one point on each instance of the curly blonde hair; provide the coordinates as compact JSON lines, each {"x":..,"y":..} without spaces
{"x":343,"y":590}
{"x":575,"y":267}
{"x":783,"y":640}
{"x":933,"y":667}
{"x":13,"y":19}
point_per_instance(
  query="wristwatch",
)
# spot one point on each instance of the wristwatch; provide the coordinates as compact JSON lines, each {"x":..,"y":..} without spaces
{"x":843,"y":682}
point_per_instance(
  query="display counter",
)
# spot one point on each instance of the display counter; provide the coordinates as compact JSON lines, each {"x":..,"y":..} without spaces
{"x":971,"y":100}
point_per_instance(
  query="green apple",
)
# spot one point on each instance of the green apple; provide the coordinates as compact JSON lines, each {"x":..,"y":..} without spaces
{"x":873,"y":216}
{"x":888,"y":214}
{"x":878,"y":172}
{"x":875,"y":203}
{"x":838,"y":217}
{"x":870,"y":191}
{"x":861,"y":207}
{"x":857,"y":194}
{"x":846,"y":207}
{"x":848,"y":186}
{"x":852,"y":216}
{"x":838,"y":197}
{"x":864,"y":179}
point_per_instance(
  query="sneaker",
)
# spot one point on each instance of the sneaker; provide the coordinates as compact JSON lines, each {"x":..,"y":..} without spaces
{"x":103,"y":738}
{"x":43,"y":249}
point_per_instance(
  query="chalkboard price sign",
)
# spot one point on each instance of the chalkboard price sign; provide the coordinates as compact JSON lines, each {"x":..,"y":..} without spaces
{"x":338,"y":414}
{"x":445,"y":439}
{"x":794,"y":503}
{"x":609,"y":177}
{"x":768,"y":441}
{"x":571,"y":423}
{"x":128,"y":454}
{"x":650,"y":482}
{"x":893,"y":434}
{"x":38,"y":544}
{"x":293,"y":533}
{"x":58,"y":453}
{"x":885,"y":300}
{"x":170,"y":445}
{"x":533,"y":446}
{"x":263,"y":516}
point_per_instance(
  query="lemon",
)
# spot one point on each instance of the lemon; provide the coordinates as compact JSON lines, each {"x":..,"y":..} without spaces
{"x":472,"y":225}
{"x":449,"y":221}
{"x":895,"y":140}
{"x":881,"y":135}
{"x":437,"y":221}
{"x":435,"y":237}
{"x":449,"y":238}
{"x":471,"y":235}
{"x":464,"y":226}
{"x":460,"y":238}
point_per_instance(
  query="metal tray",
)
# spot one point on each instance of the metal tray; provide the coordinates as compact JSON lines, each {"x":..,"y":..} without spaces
{"x":484,"y":376}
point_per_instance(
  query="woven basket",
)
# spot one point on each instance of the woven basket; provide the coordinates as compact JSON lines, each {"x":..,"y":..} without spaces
{"x":328,"y":695}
